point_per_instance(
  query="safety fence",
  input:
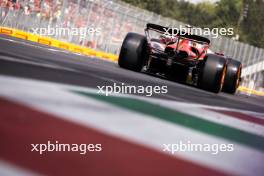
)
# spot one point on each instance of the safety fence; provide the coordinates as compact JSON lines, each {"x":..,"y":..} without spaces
{"x":115,"y":19}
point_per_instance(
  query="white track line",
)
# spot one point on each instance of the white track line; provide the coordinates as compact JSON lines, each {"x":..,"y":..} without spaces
{"x":8,"y":169}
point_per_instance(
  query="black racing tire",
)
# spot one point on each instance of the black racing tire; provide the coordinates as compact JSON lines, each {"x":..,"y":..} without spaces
{"x":212,"y":74}
{"x":233,"y":74}
{"x":133,"y":52}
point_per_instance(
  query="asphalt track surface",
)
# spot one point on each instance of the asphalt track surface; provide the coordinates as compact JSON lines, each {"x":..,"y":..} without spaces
{"x":25,"y":59}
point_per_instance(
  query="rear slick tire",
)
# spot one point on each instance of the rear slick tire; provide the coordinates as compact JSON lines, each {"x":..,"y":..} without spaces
{"x":232,"y":78}
{"x":133,"y":52}
{"x":212,"y":73}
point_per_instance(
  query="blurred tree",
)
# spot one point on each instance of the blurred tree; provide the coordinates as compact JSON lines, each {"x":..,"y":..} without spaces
{"x":253,"y":23}
{"x":228,"y":11}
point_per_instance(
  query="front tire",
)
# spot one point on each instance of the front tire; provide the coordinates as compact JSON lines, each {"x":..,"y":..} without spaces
{"x":133,"y":52}
{"x":212,"y":73}
{"x":233,"y":74}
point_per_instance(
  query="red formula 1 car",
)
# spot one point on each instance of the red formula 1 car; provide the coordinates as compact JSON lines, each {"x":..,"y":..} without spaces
{"x":181,"y":57}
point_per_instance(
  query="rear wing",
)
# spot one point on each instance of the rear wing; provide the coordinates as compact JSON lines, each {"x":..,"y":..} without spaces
{"x":172,"y":31}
